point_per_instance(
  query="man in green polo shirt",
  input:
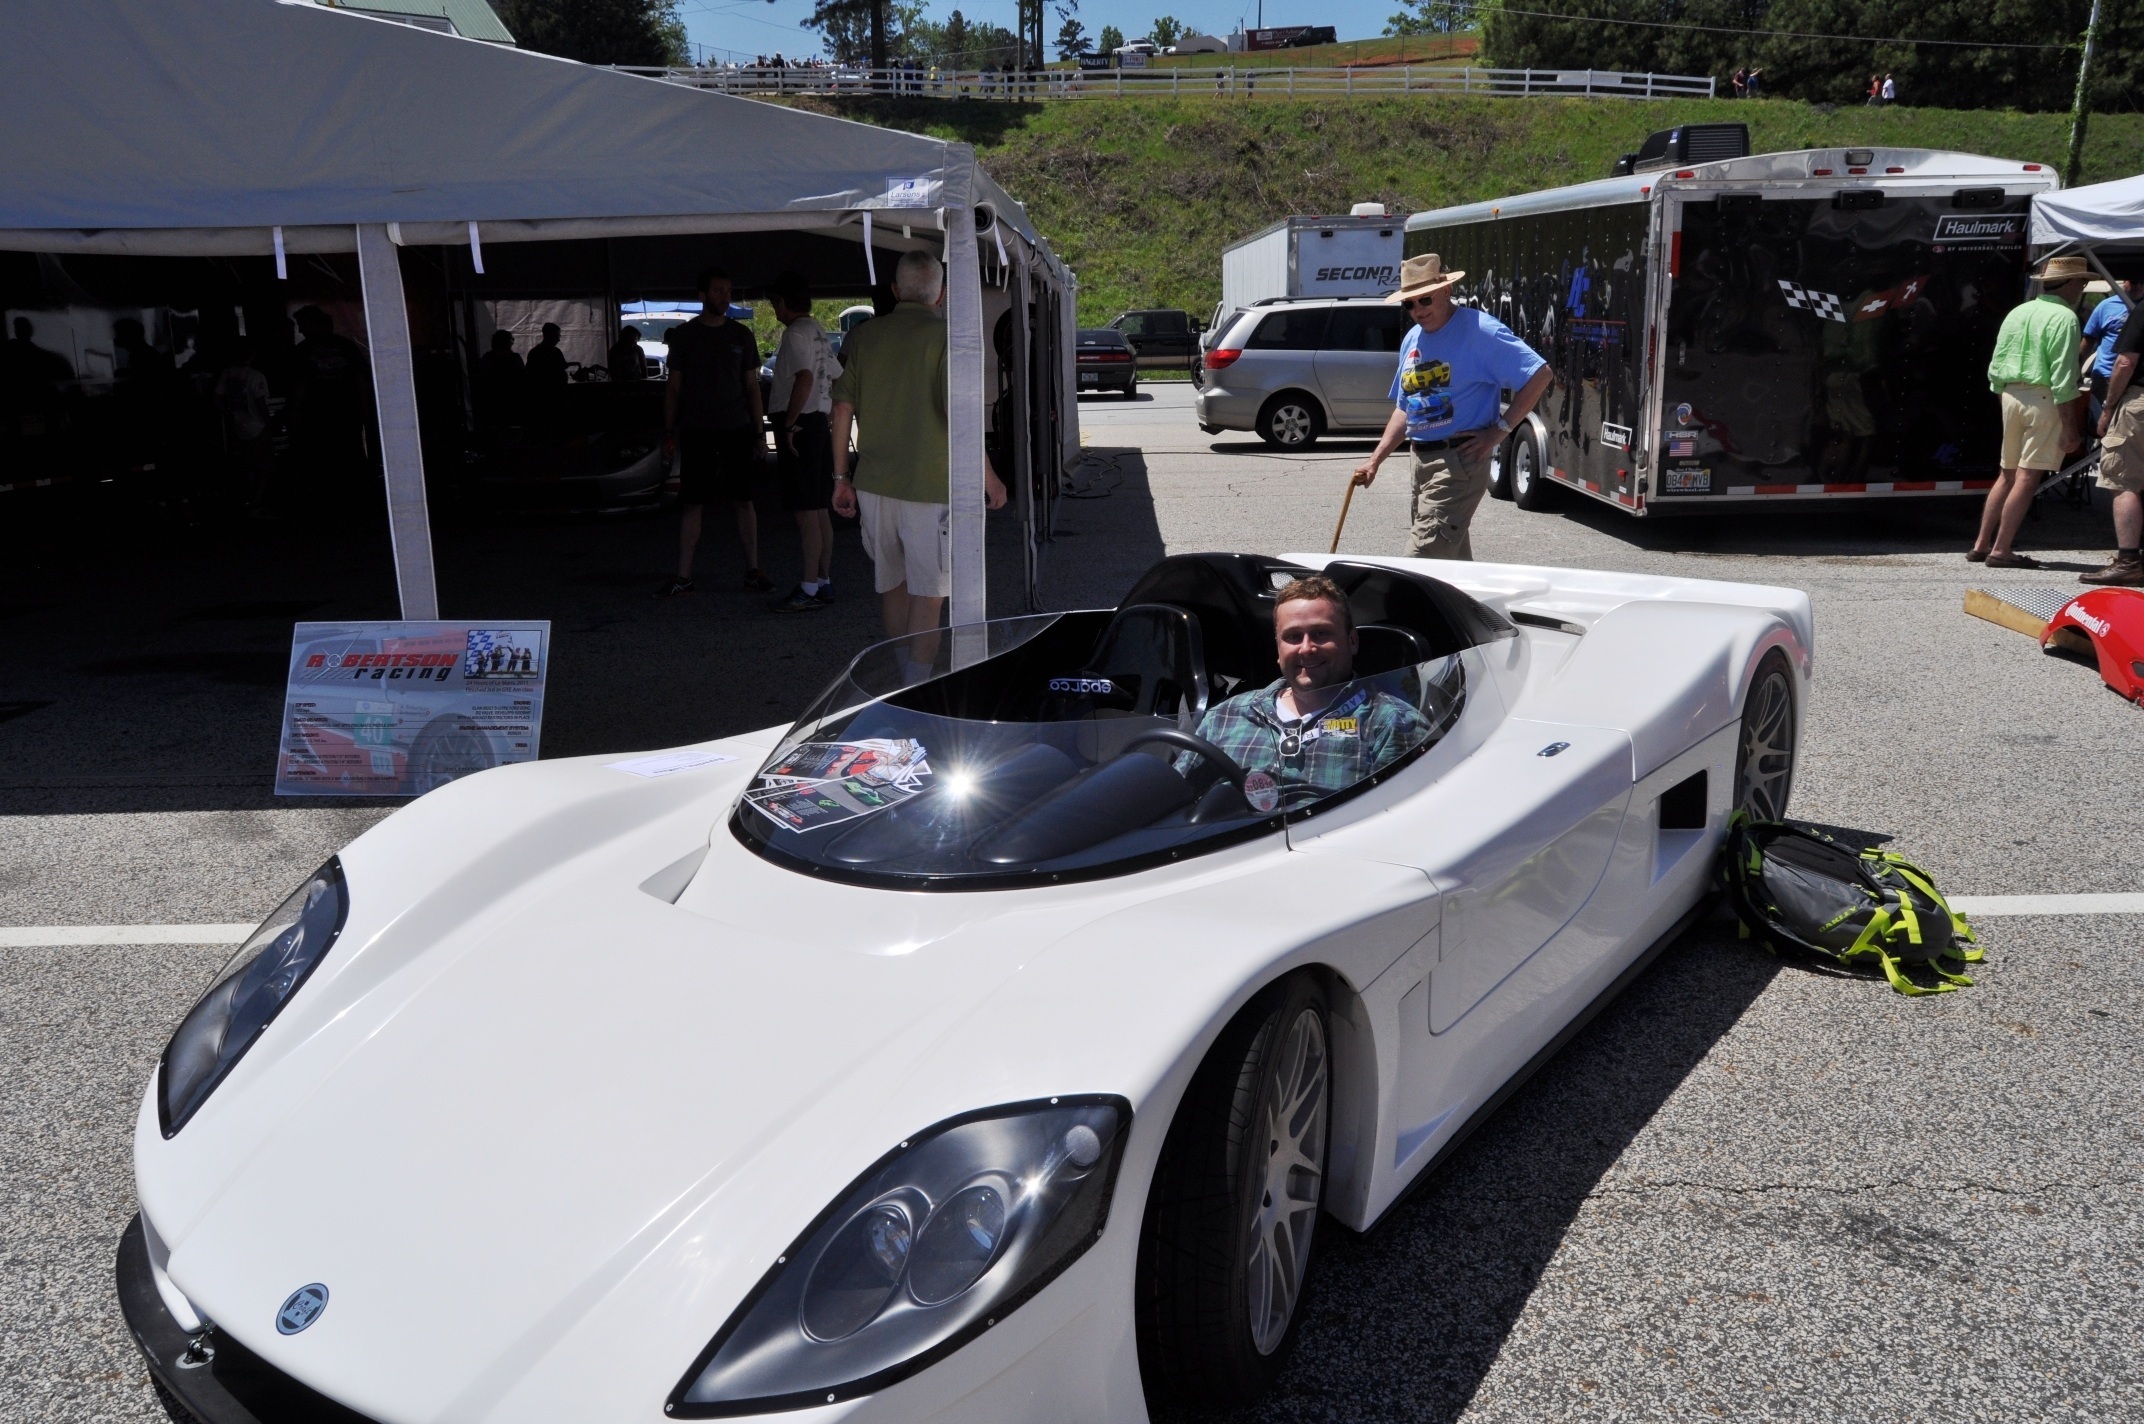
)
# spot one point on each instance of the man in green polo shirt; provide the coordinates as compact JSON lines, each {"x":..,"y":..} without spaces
{"x":2035,"y":374}
{"x":892,"y":389}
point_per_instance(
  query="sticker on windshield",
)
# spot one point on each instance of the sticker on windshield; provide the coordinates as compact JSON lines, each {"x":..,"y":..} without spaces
{"x":1261,"y":791}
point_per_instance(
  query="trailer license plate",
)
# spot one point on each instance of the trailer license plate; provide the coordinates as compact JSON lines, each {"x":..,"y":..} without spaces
{"x":1686,"y":479}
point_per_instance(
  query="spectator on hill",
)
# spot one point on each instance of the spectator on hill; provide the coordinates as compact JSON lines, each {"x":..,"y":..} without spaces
{"x":1889,"y":92}
{"x":2035,"y":372}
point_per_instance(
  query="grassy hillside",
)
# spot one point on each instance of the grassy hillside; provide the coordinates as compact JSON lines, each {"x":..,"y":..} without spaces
{"x":1140,"y":195}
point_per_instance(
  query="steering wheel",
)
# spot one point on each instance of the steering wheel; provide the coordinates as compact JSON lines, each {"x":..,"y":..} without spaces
{"x":1186,"y":741}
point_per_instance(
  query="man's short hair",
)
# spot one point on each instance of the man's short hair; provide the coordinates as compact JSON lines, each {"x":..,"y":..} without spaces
{"x":710,"y":274}
{"x":918,"y":278}
{"x":793,"y":292}
{"x":1312,"y":587}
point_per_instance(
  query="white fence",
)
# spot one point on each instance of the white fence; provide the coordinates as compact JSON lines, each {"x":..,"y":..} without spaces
{"x":1242,"y":81}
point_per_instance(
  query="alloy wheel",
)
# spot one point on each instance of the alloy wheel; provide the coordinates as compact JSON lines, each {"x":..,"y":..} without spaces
{"x":1294,"y":1132}
{"x":1292,"y":424}
{"x":1764,"y":766}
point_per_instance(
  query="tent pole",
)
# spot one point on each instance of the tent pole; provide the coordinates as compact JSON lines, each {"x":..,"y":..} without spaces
{"x":394,"y":386}
{"x":964,"y":401}
{"x":1020,"y":439}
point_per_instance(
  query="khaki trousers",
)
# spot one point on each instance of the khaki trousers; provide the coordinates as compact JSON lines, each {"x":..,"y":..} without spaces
{"x":1447,"y":487}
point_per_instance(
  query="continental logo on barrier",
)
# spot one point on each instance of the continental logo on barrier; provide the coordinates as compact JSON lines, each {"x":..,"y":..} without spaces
{"x":1996,"y":229}
{"x":1387,"y":275}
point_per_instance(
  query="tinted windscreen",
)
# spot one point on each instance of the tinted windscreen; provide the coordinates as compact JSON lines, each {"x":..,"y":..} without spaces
{"x":1813,"y":343}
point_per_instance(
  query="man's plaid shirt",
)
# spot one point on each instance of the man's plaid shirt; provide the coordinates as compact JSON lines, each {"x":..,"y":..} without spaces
{"x":1363,"y":731}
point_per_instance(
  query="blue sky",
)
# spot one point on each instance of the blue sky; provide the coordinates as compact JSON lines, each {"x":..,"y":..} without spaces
{"x":747,"y":28}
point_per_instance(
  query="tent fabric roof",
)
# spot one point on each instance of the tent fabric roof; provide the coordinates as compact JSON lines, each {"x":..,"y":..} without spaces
{"x":2099,"y":215}
{"x":220,"y":114}
{"x":472,"y":18}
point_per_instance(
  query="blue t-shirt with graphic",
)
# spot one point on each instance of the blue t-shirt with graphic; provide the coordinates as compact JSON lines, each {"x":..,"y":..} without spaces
{"x":1450,"y":380}
{"x":2105,"y":325}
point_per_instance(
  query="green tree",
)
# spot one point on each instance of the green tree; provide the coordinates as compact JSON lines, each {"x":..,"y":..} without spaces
{"x":1110,"y":40}
{"x":1166,"y":31}
{"x":1432,"y":17}
{"x":1071,"y":38}
{"x":598,"y":31}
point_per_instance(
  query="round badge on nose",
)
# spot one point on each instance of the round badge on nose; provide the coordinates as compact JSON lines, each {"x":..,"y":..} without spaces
{"x":301,"y":1309}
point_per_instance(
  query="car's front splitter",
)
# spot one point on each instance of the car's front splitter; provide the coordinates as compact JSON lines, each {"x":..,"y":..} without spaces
{"x":218,"y":1380}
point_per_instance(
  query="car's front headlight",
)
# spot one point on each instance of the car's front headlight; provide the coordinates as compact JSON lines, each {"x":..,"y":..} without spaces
{"x":938,"y":1242}
{"x":250,"y":992}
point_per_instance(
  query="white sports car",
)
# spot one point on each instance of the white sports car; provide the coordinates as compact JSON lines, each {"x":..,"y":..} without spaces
{"x":986,"y":1046}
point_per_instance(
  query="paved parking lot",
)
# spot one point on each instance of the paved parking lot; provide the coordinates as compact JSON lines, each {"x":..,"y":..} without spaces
{"x":1748,"y":1190}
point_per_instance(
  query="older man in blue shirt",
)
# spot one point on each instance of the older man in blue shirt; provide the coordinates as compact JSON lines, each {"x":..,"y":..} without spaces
{"x":1455,"y":366}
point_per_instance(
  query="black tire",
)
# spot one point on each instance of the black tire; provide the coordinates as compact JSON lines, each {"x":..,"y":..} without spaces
{"x":1764,"y":752}
{"x":1291,"y":421}
{"x":1131,"y":389}
{"x":1225,"y":1248}
{"x":1500,"y":472}
{"x":1531,"y":488}
{"x":443,"y":752}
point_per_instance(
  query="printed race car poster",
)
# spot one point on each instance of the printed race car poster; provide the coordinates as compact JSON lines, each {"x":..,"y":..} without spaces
{"x":399,"y":709}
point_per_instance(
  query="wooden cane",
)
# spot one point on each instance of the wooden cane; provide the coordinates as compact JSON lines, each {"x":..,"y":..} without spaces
{"x":1344,"y":503}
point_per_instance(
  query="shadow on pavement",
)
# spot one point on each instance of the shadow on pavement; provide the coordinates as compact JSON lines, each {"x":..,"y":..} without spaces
{"x":1106,"y":531}
{"x":1463,"y":1254}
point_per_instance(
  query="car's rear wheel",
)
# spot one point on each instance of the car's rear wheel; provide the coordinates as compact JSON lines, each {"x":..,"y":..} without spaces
{"x":1764,"y":758}
{"x":1226,"y":1244}
{"x":1531,"y":487}
{"x":1290,"y":421}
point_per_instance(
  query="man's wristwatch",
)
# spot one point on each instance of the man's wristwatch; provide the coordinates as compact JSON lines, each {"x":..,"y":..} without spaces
{"x":1503,"y":425}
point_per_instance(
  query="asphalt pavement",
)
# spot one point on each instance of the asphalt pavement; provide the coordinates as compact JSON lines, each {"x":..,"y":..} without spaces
{"x":1747,"y":1190}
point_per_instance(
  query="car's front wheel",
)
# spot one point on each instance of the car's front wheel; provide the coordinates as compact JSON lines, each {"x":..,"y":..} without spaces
{"x":1225,"y":1247}
{"x":1290,"y":421}
{"x":1764,"y":757}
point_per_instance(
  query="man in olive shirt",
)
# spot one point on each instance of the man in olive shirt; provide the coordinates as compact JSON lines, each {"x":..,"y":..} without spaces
{"x":2035,"y":374}
{"x":892,"y":390}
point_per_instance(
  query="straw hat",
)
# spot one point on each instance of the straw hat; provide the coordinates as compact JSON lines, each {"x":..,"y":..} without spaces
{"x":1419,"y":276}
{"x":2057,"y":270}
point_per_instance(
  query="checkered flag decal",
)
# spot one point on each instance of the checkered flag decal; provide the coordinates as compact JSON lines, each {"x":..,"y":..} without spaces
{"x":1824,"y":304}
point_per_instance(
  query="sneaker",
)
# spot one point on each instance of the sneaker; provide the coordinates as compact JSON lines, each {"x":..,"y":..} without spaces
{"x":796,"y":601}
{"x":671,"y":588}
{"x":2122,"y":573}
{"x":758,"y":582}
{"x":825,"y":595}
{"x":2012,"y":561}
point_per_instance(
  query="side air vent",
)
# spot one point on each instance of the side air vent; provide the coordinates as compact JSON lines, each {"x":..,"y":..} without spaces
{"x":1682,"y":806}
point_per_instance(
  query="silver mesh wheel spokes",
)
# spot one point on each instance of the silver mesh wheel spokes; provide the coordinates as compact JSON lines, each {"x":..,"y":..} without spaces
{"x":1522,"y":466}
{"x":1294,"y":1134}
{"x":1292,"y":424}
{"x":1767,"y":749}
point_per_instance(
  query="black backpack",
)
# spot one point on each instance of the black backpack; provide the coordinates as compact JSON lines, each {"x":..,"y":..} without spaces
{"x":1795,"y":887}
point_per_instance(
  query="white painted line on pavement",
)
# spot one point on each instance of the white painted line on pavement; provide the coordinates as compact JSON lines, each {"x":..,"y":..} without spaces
{"x":1992,"y":905}
{"x":60,"y":936}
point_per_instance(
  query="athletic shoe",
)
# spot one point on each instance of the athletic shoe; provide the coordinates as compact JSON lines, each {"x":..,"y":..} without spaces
{"x":796,"y":601}
{"x":758,"y":582}
{"x":825,"y":595}
{"x":671,"y":588}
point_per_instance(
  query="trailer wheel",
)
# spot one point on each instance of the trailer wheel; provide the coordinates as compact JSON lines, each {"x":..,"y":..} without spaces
{"x":1531,"y":487}
{"x":1500,"y":472}
{"x":1290,"y":421}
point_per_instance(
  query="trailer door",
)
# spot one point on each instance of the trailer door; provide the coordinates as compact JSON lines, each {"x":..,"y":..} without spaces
{"x":1834,"y":341}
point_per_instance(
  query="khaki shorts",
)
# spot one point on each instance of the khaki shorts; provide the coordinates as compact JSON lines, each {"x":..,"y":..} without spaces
{"x":2032,"y":428}
{"x":909,"y":543}
{"x":2121,"y":452}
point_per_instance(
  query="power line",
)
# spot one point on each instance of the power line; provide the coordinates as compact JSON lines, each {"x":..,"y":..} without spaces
{"x":1735,"y":30}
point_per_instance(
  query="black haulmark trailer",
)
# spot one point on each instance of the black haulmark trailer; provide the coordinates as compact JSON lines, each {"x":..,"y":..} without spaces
{"x":1781,"y":327}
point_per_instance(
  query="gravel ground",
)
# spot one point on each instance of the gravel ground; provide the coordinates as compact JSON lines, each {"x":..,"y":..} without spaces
{"x":1746,"y":1190}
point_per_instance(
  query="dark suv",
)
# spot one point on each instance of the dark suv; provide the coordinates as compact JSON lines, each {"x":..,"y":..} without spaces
{"x":1161,"y":337}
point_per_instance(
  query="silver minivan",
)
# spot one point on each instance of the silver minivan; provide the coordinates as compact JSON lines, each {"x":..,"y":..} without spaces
{"x":1295,"y":369}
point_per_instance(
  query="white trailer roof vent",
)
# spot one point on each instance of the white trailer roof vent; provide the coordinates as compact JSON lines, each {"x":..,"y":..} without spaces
{"x":1368,"y":210}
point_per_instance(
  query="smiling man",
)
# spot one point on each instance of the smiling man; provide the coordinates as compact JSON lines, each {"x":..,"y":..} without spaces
{"x":1316,"y":730}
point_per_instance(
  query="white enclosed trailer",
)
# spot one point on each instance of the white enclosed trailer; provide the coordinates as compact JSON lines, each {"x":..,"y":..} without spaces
{"x":1788,"y":326}
{"x":1355,"y":256}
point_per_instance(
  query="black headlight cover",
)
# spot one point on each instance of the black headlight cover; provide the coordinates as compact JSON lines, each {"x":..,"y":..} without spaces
{"x":937,"y":1242}
{"x":248,"y":993}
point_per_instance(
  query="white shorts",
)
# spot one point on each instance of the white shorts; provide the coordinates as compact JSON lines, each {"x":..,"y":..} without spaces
{"x":909,"y":543}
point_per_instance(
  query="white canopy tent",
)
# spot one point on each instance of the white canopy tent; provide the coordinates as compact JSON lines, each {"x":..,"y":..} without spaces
{"x":258,"y":127}
{"x":2098,"y":216}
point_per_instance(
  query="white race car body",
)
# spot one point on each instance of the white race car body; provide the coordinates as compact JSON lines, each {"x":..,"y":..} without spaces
{"x":582,"y":1065}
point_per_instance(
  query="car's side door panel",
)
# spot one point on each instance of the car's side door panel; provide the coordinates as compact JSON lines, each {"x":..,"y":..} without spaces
{"x":1356,"y":363}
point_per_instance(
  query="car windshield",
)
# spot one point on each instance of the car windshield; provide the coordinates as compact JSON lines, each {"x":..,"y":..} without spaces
{"x":1066,"y":746}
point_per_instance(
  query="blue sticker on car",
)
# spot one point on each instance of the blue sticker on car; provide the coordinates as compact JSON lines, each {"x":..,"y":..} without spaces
{"x":303,"y":1306}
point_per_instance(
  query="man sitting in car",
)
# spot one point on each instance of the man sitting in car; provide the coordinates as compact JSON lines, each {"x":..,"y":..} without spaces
{"x":1314,"y":731}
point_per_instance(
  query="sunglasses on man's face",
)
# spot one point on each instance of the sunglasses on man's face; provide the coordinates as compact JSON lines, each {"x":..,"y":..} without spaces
{"x":1415,"y":303}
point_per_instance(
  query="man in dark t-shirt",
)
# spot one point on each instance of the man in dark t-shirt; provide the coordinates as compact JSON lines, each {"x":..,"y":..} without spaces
{"x":713,"y":421}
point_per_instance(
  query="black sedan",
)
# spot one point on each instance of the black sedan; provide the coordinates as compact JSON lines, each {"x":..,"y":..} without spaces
{"x":1106,"y":362}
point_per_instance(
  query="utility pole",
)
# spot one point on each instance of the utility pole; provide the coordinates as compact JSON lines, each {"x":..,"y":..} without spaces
{"x":2081,"y":108}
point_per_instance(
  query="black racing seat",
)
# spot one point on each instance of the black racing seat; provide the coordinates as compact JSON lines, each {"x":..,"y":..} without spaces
{"x":1231,"y":595}
{"x":1385,"y":647}
{"x":1150,"y":661}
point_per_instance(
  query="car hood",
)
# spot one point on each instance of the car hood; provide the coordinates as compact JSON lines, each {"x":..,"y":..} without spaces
{"x":524,"y":1087}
